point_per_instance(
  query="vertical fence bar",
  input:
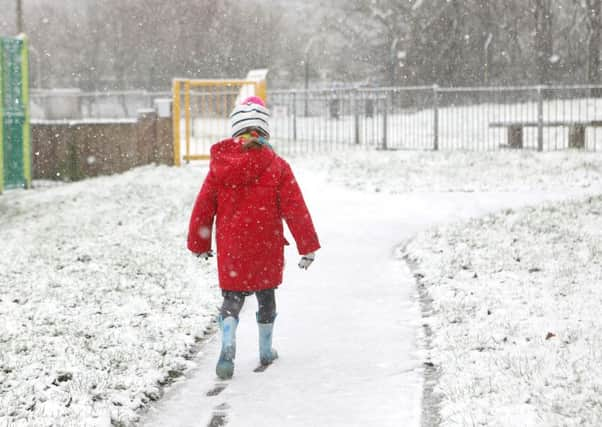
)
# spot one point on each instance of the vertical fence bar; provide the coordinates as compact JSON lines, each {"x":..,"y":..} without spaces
{"x":594,"y":129}
{"x":335,"y":124}
{"x":385,"y":118}
{"x":306,"y":107}
{"x":213,"y":112}
{"x":539,"y":118}
{"x":224,"y":112}
{"x":295,"y":116}
{"x":312,"y":120}
{"x":187,"y":119}
{"x":324,"y":123}
{"x":176,"y":122}
{"x":435,"y":118}
{"x":311,"y":144}
{"x":356,"y":117}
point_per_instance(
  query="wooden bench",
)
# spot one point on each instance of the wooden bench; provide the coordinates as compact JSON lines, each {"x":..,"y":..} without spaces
{"x":576,"y":130}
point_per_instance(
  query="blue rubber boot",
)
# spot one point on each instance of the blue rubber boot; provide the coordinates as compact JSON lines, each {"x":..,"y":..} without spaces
{"x":266,"y":353}
{"x":225,"y":364}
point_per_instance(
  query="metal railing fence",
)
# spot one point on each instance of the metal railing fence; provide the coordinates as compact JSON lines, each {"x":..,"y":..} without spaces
{"x":543,"y":118}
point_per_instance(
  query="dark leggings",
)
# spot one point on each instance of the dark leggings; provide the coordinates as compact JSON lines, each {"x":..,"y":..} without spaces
{"x":266,"y":300}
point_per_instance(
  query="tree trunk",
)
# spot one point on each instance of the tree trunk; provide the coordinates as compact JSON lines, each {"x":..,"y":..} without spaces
{"x":488,"y":28}
{"x":392,"y":61}
{"x":593,"y":63}
{"x":543,"y":40}
{"x":19,"y":24}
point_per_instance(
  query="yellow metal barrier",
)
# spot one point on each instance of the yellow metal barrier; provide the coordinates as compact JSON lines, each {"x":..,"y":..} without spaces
{"x":207,"y":105}
{"x":176,"y":122}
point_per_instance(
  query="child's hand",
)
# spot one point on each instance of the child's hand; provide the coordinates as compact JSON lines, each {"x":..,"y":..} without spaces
{"x":205,"y":255}
{"x":306,"y":260}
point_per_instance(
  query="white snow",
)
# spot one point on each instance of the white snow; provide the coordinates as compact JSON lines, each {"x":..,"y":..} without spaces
{"x":100,"y":297}
{"x":400,"y":172}
{"x":515,"y":315}
{"x":96,"y":283}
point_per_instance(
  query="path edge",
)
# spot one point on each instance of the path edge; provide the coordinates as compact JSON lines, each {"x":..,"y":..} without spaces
{"x":431,"y":401}
{"x":209,"y":332}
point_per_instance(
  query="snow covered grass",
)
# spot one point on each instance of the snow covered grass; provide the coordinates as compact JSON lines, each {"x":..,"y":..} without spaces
{"x":100,"y":303}
{"x":408,"y":171}
{"x":517,"y":336}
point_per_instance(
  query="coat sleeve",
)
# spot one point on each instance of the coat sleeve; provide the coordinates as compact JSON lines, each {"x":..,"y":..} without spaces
{"x":201,"y":219}
{"x":295,"y":213}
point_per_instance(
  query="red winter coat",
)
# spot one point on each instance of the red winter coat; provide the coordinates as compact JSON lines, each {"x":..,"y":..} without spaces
{"x":249,"y":192}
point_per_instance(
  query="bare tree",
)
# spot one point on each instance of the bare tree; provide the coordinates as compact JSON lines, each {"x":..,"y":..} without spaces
{"x":594,"y":20}
{"x":377,"y":35}
{"x":542,"y":14}
{"x":145,"y":43}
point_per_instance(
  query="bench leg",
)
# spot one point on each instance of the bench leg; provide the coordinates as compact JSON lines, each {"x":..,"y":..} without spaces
{"x":515,"y":136}
{"x":577,"y":136}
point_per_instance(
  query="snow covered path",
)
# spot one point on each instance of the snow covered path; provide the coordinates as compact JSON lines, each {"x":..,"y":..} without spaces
{"x":347,"y":330}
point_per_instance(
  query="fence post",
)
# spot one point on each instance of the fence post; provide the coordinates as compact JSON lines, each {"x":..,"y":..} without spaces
{"x":188,"y":118}
{"x":1,"y":116}
{"x":295,"y":116}
{"x":385,"y":120}
{"x":14,"y":97}
{"x":435,"y":117}
{"x":356,"y":117}
{"x":540,"y":118}
{"x":306,"y":112}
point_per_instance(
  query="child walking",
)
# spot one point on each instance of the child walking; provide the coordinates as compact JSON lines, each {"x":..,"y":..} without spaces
{"x":249,"y":190}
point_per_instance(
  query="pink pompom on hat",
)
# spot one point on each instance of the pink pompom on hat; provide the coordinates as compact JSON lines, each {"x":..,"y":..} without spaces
{"x":250,"y":114}
{"x":254,"y":100}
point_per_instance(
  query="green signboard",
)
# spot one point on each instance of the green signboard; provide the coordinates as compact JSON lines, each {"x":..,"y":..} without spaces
{"x":15,"y":149}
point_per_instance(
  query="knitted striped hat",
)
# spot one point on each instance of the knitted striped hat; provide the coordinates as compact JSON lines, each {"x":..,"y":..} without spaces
{"x":251,"y":113}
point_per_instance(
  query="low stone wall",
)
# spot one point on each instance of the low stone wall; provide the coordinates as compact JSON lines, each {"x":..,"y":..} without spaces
{"x":72,"y":150}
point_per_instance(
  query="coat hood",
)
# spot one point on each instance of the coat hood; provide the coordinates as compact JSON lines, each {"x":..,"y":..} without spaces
{"x":234,"y":165}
